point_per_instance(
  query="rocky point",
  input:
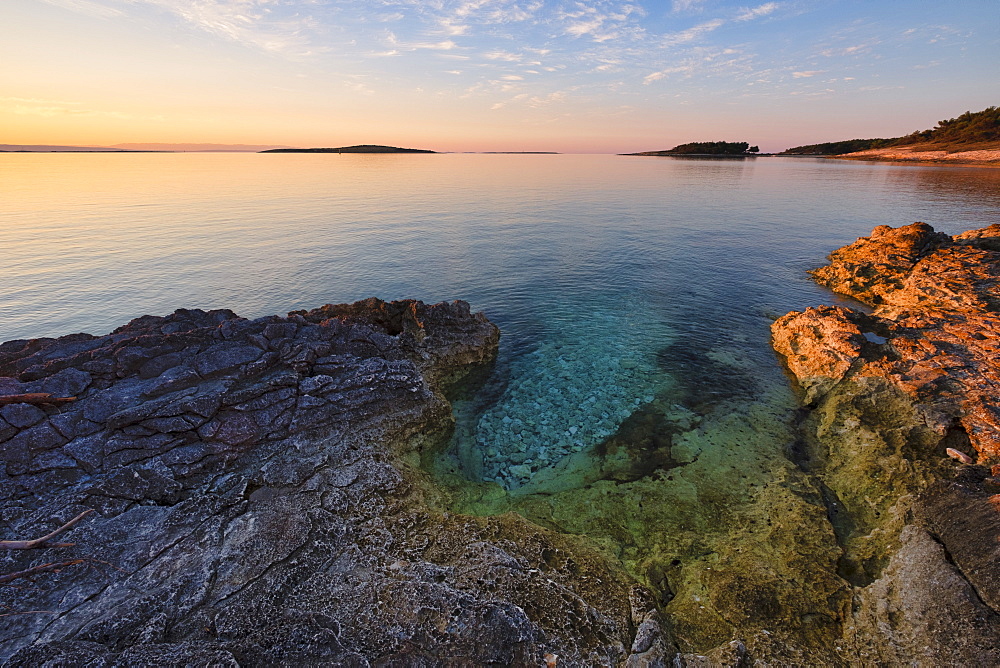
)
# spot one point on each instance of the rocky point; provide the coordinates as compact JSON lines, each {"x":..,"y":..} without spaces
{"x":258,"y":504}
{"x":894,"y":389}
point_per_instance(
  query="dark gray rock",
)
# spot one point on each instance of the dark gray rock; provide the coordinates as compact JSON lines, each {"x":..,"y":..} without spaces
{"x":254,"y":507}
{"x":67,"y":383}
{"x":22,"y":415}
{"x":224,"y":359}
{"x":10,"y":385}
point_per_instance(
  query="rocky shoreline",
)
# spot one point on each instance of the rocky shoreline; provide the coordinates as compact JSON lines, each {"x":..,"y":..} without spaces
{"x":892,"y":391}
{"x":923,"y":155}
{"x":258,"y":503}
{"x":260,"y":496}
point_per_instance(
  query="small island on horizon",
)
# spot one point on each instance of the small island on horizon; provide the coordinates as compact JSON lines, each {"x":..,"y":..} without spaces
{"x":360,"y":148}
{"x":727,"y":149}
{"x":970,"y":138}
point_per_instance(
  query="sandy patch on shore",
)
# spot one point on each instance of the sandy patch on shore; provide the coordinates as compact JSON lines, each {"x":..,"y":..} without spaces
{"x":979,"y":157}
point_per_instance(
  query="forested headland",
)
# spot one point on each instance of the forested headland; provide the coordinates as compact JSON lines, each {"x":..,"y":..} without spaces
{"x":970,"y":131}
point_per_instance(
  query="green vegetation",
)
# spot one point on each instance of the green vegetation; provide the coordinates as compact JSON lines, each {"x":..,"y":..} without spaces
{"x":971,"y":130}
{"x":838,"y":147}
{"x":361,"y":148}
{"x":707,"y":148}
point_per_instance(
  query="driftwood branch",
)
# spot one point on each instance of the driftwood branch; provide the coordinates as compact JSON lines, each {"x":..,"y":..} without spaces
{"x":42,"y":542}
{"x":53,"y":567}
{"x":33,"y":398}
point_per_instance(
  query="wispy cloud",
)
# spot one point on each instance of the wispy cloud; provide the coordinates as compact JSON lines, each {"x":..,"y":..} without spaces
{"x":463,"y":17}
{"x":255,"y":23}
{"x":516,"y":98}
{"x":853,"y":50}
{"x":446,"y":45}
{"x":533,"y":101}
{"x":397,"y":44}
{"x":609,"y":66}
{"x":707,"y":62}
{"x":359,"y":87}
{"x":552,"y":98}
{"x":805,"y":74}
{"x":757,"y":12}
{"x":504,"y":56}
{"x":691,"y":34}
{"x":86,"y":7}
{"x":51,"y":108}
{"x":602,"y":21}
{"x":656,"y":76}
{"x":450,"y":27}
{"x":588,"y":26}
{"x":686,"y":5}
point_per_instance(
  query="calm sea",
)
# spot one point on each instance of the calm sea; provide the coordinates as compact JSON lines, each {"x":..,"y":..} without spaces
{"x":612,"y":278}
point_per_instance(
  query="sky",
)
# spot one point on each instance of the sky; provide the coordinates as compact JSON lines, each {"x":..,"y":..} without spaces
{"x":590,"y":76}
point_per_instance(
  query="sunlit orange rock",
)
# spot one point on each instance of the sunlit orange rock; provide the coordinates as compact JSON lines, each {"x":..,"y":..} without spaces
{"x":934,"y":332}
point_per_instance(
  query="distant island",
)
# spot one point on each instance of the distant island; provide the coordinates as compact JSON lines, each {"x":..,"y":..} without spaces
{"x":198,"y":148}
{"x":361,"y":148}
{"x":707,"y":148}
{"x":48,"y":148}
{"x":138,"y":148}
{"x":971,"y":137}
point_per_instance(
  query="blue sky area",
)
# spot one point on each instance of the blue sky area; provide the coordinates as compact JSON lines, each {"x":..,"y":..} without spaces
{"x":593,"y":76}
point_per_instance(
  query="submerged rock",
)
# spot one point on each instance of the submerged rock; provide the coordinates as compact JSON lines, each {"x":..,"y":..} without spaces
{"x":896,"y":393}
{"x":257,"y":503}
{"x":568,"y":395}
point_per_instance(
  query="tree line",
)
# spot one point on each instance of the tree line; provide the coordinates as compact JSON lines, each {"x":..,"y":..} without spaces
{"x":971,"y":128}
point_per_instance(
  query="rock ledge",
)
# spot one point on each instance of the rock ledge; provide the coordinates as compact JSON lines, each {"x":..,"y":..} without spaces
{"x":893,"y":391}
{"x":258,"y":503}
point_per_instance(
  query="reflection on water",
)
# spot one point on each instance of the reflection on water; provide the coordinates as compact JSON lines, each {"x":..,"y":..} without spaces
{"x":947,"y":185}
{"x":92,"y":240}
{"x":635,"y":398}
{"x":615,"y":280}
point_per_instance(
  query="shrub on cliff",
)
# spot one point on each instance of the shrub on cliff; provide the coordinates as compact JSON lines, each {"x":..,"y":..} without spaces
{"x":969,"y":128}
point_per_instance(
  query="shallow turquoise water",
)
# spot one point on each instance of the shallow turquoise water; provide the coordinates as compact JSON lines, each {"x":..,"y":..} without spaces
{"x":615,"y":280}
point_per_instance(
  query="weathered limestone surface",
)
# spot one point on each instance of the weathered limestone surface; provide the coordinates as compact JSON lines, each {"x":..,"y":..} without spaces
{"x":890,"y":391}
{"x":934,"y":333}
{"x":258,"y":504}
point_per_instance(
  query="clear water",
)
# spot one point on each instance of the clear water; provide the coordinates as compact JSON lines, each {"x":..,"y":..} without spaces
{"x":618,"y":282}
{"x":635,"y":400}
